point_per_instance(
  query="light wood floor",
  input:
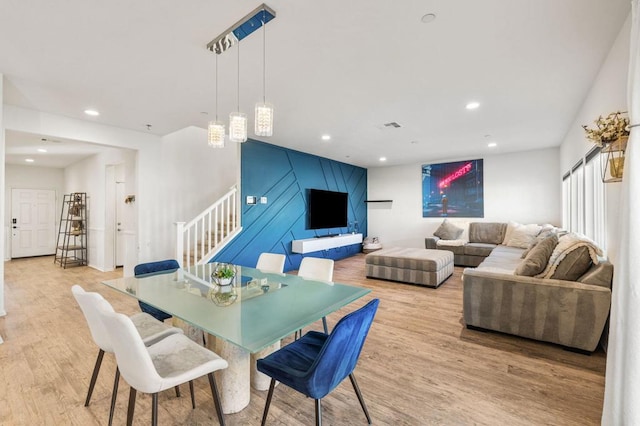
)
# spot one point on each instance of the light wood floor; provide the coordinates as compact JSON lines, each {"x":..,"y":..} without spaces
{"x":420,"y":365}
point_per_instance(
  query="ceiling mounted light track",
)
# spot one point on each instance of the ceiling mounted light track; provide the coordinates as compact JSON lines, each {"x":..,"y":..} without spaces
{"x":251,"y":22}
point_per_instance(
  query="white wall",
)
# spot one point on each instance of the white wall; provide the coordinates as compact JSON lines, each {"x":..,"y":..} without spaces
{"x":171,"y":174}
{"x":90,"y":176}
{"x":195,"y":175}
{"x":608,"y":94}
{"x":29,"y":177}
{"x":2,"y":201}
{"x":524,"y":187}
{"x":148,"y":161}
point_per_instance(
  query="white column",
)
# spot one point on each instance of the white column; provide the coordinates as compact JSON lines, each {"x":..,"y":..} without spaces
{"x":234,"y":387}
{"x":260,"y":381}
{"x":2,"y":200}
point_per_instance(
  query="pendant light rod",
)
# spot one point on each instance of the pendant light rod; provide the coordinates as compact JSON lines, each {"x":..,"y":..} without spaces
{"x":238,"y":77}
{"x":216,"y":87}
{"x":264,"y":57}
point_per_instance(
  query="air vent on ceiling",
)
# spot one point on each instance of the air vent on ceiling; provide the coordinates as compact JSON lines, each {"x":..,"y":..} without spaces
{"x":392,"y":124}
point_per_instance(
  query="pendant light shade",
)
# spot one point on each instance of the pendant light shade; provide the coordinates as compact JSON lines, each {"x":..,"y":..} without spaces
{"x":264,"y":110}
{"x":264,"y":119}
{"x":216,"y":134}
{"x":216,"y":131}
{"x":238,"y":127}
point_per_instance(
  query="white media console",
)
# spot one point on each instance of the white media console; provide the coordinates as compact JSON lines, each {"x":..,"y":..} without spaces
{"x":324,"y":243}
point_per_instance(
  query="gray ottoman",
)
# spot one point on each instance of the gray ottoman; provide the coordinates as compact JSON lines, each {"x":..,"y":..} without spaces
{"x":410,"y":265}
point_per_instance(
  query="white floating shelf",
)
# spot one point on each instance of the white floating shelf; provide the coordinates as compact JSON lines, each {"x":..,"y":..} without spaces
{"x":310,"y":245}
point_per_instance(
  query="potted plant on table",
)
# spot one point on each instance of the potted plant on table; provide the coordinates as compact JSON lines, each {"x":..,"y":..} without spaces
{"x":223,"y":274}
{"x":611,"y":133}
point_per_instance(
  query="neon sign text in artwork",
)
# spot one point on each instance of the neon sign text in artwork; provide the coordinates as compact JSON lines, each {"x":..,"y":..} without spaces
{"x":455,"y":175}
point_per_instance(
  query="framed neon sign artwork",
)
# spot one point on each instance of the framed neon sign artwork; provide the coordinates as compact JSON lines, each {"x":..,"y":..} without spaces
{"x":453,"y":189}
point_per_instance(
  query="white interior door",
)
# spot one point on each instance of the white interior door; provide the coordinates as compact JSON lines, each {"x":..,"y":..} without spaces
{"x":33,"y":222}
{"x":120,"y":224}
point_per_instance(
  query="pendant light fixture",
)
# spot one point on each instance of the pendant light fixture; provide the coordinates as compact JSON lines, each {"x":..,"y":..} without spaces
{"x":251,"y":22}
{"x":216,"y":133}
{"x":238,"y":120}
{"x":264,"y":110}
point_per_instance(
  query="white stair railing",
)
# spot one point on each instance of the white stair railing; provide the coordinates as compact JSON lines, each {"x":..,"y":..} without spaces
{"x":200,"y":239}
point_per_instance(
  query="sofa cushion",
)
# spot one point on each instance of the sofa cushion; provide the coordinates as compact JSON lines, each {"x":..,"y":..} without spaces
{"x":538,"y":257}
{"x":448,"y":231}
{"x":487,"y":232}
{"x":455,"y":246}
{"x":574,"y":265}
{"x":478,"y":249}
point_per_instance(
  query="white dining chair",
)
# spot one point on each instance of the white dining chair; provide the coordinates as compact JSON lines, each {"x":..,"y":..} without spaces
{"x":271,"y":262}
{"x":172,"y":361}
{"x":150,"y":330}
{"x":317,"y":269}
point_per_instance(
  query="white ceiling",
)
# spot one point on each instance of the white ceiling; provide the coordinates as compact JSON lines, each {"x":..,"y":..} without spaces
{"x":339,"y":67}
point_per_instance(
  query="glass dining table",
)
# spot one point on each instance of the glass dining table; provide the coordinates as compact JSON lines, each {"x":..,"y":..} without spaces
{"x":244,"y":320}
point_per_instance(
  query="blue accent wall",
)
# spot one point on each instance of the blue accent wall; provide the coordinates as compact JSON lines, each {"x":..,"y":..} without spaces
{"x":284,"y":176}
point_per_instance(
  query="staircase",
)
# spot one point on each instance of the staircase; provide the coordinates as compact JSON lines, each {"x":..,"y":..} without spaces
{"x":199,"y":240}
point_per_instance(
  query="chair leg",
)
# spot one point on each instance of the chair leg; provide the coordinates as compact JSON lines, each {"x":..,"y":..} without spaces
{"x":216,"y":398}
{"x":177,"y":388}
{"x":132,"y":406}
{"x":324,"y":325}
{"x":266,"y":407}
{"x":94,"y":377}
{"x":154,"y":409}
{"x":318,"y":413}
{"x":359,"y":394}
{"x":114,"y":395}
{"x":193,"y":399}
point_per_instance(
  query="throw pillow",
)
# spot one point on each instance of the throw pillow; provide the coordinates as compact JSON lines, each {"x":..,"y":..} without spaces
{"x":526,"y":252}
{"x":507,"y":234}
{"x":536,"y":260}
{"x":523,"y":236}
{"x":544,"y":233}
{"x":566,"y":245}
{"x":574,"y":265}
{"x":448,"y":231}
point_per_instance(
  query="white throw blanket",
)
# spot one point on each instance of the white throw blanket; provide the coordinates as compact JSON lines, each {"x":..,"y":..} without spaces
{"x":566,"y":244}
{"x":450,"y":243}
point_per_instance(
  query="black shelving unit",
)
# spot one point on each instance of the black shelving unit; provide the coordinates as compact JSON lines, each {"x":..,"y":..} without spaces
{"x":71,"y":247}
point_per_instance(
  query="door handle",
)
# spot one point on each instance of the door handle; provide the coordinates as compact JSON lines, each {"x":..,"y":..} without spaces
{"x":15,"y":227}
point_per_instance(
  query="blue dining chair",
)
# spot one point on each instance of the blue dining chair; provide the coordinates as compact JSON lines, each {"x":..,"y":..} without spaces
{"x":316,"y":363}
{"x":155,"y":268}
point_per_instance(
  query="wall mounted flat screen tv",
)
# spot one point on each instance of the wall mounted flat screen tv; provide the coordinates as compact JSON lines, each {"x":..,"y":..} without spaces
{"x":327,"y":209}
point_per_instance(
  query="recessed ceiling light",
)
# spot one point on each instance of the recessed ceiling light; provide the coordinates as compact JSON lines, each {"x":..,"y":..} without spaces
{"x":472,"y":105}
{"x":91,"y":112}
{"x":326,"y":137}
{"x":383,"y":158}
{"x":42,"y":150}
{"x":29,"y":160}
{"x":429,"y":17}
{"x":492,"y":144}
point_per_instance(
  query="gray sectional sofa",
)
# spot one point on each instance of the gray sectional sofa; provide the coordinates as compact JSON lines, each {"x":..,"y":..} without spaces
{"x":567,"y":303}
{"x":483,"y":238}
